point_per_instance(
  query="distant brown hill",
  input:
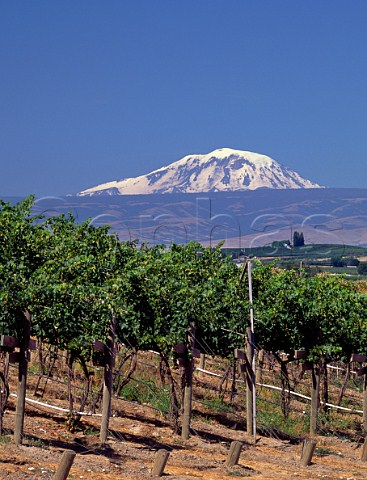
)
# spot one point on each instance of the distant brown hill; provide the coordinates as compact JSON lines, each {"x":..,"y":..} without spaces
{"x":241,"y":219}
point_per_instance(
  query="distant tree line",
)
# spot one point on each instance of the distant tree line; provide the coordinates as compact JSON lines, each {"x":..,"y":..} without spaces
{"x":344,"y":262}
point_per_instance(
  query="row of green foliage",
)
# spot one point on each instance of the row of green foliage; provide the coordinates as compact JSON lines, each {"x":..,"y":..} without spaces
{"x":74,"y":277}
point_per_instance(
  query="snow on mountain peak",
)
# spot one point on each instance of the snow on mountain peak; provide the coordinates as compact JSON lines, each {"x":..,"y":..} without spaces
{"x":224,"y":169}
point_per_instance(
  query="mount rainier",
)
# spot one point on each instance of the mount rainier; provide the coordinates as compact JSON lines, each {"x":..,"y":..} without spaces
{"x":222,"y":170}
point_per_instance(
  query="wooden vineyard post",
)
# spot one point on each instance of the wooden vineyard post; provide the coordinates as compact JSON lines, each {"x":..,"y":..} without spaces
{"x":202,"y":361}
{"x":241,"y":356}
{"x":107,"y":383}
{"x":250,"y":384}
{"x":315,"y":400}
{"x":22,"y":379}
{"x":187,"y":407}
{"x":65,"y":465}
{"x":360,"y":372}
{"x":234,"y":454}
{"x":160,"y":462}
{"x":308,"y":449}
{"x":201,"y":365}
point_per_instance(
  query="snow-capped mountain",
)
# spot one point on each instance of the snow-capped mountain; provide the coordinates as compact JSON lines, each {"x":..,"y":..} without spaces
{"x":224,"y":169}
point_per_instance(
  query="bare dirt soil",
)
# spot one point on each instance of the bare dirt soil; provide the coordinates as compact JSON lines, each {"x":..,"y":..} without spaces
{"x":137,"y":432}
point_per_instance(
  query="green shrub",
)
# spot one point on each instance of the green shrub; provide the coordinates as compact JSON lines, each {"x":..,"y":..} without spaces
{"x":146,"y":392}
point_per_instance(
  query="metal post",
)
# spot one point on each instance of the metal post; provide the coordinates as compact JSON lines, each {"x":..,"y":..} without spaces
{"x":186,"y":418}
{"x":252,"y":340}
{"x":107,"y":385}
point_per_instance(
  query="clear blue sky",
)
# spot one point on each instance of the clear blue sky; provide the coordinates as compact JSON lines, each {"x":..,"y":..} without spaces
{"x":92,"y":91}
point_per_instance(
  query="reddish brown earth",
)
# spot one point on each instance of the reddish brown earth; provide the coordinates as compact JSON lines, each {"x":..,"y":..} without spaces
{"x":138,"y":432}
